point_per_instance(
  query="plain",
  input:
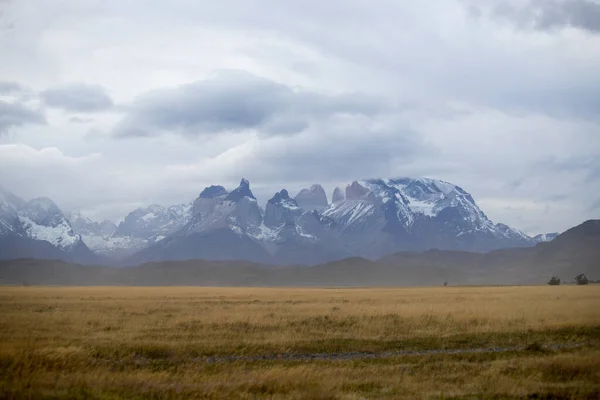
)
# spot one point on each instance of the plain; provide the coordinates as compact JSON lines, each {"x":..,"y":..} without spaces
{"x":168,"y":342}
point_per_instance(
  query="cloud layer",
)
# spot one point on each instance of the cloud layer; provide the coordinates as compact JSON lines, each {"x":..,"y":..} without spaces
{"x":104,"y":108}
{"x":235,"y":101}
{"x":77,"y":97}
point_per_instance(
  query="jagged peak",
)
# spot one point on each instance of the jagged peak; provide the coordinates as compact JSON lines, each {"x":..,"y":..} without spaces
{"x":283,"y":194}
{"x":213,"y":191}
{"x":314,"y":188}
{"x":243,"y":190}
{"x":355,"y":191}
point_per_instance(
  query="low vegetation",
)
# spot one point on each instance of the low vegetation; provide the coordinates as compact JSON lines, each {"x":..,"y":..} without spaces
{"x":132,"y":342}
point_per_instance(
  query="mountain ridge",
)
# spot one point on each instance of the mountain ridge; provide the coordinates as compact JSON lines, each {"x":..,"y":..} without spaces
{"x":370,"y":218}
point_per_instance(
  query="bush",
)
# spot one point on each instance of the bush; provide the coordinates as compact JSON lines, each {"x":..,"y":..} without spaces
{"x":581,"y":279}
{"x":554,"y":281}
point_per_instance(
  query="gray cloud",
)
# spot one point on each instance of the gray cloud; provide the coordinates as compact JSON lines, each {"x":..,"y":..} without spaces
{"x":236,"y":101}
{"x":78,"y":97}
{"x":11,"y":88}
{"x":16,"y":114}
{"x":595,"y":206}
{"x":553,"y":14}
{"x":80,"y":120}
{"x":488,"y":103}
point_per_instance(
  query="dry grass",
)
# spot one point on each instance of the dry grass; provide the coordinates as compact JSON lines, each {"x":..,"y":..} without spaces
{"x":145,"y":342}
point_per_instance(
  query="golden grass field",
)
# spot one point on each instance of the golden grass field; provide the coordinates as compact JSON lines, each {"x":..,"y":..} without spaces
{"x":152,"y":342}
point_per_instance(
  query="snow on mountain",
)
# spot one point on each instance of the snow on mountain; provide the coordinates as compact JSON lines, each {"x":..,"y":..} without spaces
{"x":420,"y":214}
{"x":280,"y":209}
{"x":139,"y":229}
{"x":236,"y":210}
{"x":9,"y":206}
{"x":85,"y":226}
{"x":546,"y":237}
{"x":41,"y":219}
{"x":312,"y":198}
{"x":369,"y":218}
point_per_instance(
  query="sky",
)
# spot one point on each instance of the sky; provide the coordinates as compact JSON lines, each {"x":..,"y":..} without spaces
{"x":109,"y":105}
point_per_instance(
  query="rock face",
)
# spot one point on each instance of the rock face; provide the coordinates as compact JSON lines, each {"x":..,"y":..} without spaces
{"x":38,"y":229}
{"x":338,"y":195}
{"x":281,"y":209}
{"x":312,"y":198}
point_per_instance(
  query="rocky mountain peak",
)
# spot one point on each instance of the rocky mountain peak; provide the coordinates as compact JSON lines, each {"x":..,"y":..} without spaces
{"x":355,"y":191}
{"x":281,"y":196}
{"x":281,"y":209}
{"x":243,"y":190}
{"x":312,"y":198}
{"x":213,"y":191}
{"x":338,"y":195}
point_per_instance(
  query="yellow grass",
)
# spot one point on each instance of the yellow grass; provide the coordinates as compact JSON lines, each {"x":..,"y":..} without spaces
{"x":109,"y":342}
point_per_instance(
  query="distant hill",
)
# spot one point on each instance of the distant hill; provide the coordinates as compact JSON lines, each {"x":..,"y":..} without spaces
{"x":573,"y":252}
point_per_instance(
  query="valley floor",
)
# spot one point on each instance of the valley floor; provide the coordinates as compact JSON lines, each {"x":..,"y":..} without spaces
{"x":198,"y":342}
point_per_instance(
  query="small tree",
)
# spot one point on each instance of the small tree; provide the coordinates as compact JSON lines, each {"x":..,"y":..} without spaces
{"x":554,"y":281}
{"x":581,"y":279}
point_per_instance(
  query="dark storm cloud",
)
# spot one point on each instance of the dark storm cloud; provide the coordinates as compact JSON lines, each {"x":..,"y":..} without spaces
{"x":16,"y":114}
{"x":78,"y":97}
{"x":554,"y":14}
{"x":235,"y":101}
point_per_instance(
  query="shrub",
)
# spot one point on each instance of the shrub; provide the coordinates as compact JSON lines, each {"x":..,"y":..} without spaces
{"x":554,"y":281}
{"x":581,"y":279}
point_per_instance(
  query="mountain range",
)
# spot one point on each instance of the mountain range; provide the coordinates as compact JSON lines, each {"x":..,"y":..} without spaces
{"x":368,"y":218}
{"x":571,"y":253}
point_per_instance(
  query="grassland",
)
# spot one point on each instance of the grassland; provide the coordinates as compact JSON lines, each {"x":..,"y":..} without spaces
{"x":110,"y":343}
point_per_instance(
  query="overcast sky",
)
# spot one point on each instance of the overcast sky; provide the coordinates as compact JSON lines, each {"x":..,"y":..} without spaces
{"x":110,"y":105}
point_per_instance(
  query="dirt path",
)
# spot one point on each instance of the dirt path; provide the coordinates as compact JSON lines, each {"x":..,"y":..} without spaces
{"x":356,"y":355}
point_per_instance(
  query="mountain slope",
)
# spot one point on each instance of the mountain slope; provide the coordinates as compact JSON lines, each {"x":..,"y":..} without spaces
{"x":38,"y":229}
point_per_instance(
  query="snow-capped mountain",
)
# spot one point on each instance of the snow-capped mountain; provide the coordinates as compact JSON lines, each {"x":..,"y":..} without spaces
{"x":41,"y":219}
{"x":141,"y":228}
{"x":545,"y":237}
{"x":387,"y":215}
{"x":369,"y":218}
{"x":224,"y":226}
{"x":39,"y":229}
{"x":83,"y":225}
